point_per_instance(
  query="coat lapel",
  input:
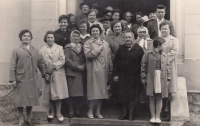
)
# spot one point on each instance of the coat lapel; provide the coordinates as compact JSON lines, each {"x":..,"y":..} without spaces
{"x":50,"y":52}
{"x":119,"y":39}
{"x":155,"y":26}
{"x":28,"y":50}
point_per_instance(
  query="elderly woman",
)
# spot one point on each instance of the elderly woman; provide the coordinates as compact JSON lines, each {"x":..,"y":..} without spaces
{"x":75,"y":68}
{"x":171,"y":48}
{"x":24,"y":62}
{"x":84,"y":29}
{"x":116,"y":13}
{"x":92,"y":19}
{"x":99,"y":66}
{"x":56,"y":88}
{"x":63,"y":34}
{"x":137,"y":23}
{"x":127,"y":66}
{"x":116,"y":39}
{"x":143,"y":39}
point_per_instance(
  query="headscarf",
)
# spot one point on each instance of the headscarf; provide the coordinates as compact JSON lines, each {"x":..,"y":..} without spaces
{"x":73,"y":44}
{"x":143,"y":42}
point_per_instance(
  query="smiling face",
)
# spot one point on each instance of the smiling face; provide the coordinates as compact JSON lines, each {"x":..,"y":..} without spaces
{"x":26,"y":38}
{"x":50,"y":39}
{"x":165,"y":31}
{"x":95,"y":33}
{"x":117,"y":28}
{"x":85,"y":9}
{"x":142,"y":33}
{"x":92,"y":17}
{"x":83,"y":28}
{"x":63,"y":24}
{"x":76,"y":37}
{"x":160,"y":13}
{"x":116,"y":16}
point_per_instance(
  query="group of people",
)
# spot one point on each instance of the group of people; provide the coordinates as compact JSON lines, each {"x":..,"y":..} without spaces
{"x":81,"y":56}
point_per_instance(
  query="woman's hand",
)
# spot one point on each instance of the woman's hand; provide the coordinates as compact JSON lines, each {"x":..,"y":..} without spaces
{"x":81,"y":68}
{"x":115,"y":78}
{"x":100,"y":48}
{"x":14,"y":83}
{"x":144,"y":83}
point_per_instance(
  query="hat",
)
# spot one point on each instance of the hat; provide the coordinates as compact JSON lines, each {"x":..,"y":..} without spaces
{"x":95,"y":5}
{"x":84,"y":3}
{"x":105,"y":19}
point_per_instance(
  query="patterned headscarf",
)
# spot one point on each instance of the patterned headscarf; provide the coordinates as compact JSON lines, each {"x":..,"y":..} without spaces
{"x":73,"y":44}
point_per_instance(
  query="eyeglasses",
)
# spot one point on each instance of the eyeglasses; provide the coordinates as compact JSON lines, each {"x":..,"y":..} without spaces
{"x":142,"y":32}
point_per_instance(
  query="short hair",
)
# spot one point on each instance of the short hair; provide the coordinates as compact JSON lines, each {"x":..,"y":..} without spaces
{"x":69,"y":16}
{"x":160,"y":6}
{"x":164,"y":23}
{"x":63,"y":17}
{"x":22,"y":32}
{"x":126,"y":13}
{"x":87,"y":25}
{"x":95,"y":26}
{"x":89,"y":12}
{"x":116,"y":11}
{"x":113,"y":23}
{"x":47,"y":33}
{"x":158,"y":42}
{"x":128,"y":31}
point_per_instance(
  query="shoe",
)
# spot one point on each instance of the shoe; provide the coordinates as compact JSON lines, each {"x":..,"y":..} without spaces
{"x":51,"y":116}
{"x":99,"y":116}
{"x":71,"y":116}
{"x":153,"y":120}
{"x":78,"y":115}
{"x":123,"y":117}
{"x":157,"y":120}
{"x":60,"y":117}
{"x":131,"y":118}
{"x":90,"y":116}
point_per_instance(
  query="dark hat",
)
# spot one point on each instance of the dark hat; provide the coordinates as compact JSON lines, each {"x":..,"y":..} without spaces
{"x":95,"y":5}
{"x":105,"y":19}
{"x":84,"y":3}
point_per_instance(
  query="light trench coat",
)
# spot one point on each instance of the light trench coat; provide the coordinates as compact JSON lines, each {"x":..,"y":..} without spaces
{"x":98,"y":65}
{"x":23,"y":69}
{"x":57,"y":88}
{"x":171,"y":48}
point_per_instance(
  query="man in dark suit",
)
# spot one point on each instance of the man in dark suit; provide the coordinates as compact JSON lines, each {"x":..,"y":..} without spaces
{"x":153,"y":26}
{"x":85,"y":7}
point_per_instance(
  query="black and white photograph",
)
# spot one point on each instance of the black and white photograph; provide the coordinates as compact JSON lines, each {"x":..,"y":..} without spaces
{"x":99,"y":63}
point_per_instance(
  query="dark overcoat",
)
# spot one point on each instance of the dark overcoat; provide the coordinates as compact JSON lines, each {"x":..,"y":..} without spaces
{"x":73,"y":59}
{"x":62,"y":38}
{"x":127,"y":66}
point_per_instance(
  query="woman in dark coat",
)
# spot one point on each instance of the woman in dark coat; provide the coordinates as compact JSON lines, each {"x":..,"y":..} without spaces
{"x":24,"y":62}
{"x":63,"y":34}
{"x":75,"y":69}
{"x":127,"y":66}
{"x":138,"y":21}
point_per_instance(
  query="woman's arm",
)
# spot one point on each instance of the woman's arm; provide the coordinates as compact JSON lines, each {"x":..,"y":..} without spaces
{"x":13,"y":64}
{"x":91,"y":53}
{"x":144,"y":66}
{"x":42,"y":66}
{"x":61,"y":60}
{"x":173,"y":53}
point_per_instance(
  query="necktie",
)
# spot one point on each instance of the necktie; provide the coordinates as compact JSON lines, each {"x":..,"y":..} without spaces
{"x":105,"y":33}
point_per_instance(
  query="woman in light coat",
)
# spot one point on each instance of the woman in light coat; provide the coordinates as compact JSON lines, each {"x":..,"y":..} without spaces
{"x":99,"y":66}
{"x":24,"y":62}
{"x":56,"y":89}
{"x":171,"y":48}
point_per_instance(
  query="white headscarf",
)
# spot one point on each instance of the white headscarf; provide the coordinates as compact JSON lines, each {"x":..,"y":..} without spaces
{"x":76,"y":45}
{"x":143,"y":42}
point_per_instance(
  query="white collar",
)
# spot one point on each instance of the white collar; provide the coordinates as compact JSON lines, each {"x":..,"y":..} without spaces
{"x":161,"y":19}
{"x":83,"y":37}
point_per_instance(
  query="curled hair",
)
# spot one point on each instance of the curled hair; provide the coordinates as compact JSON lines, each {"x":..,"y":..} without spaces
{"x":87,"y":25}
{"x":47,"y":33}
{"x":116,"y":11}
{"x":89,"y":12}
{"x":138,"y":13}
{"x":164,"y":23}
{"x":113,"y":23}
{"x":69,"y":16}
{"x":22,"y":32}
{"x":95,"y":26}
{"x":63,"y":17}
{"x":158,"y":42}
{"x":128,"y":31}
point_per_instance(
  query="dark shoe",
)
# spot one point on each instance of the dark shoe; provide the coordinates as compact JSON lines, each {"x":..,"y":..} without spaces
{"x":71,"y":116}
{"x":123,"y":117}
{"x":131,"y":118}
{"x":78,"y":115}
